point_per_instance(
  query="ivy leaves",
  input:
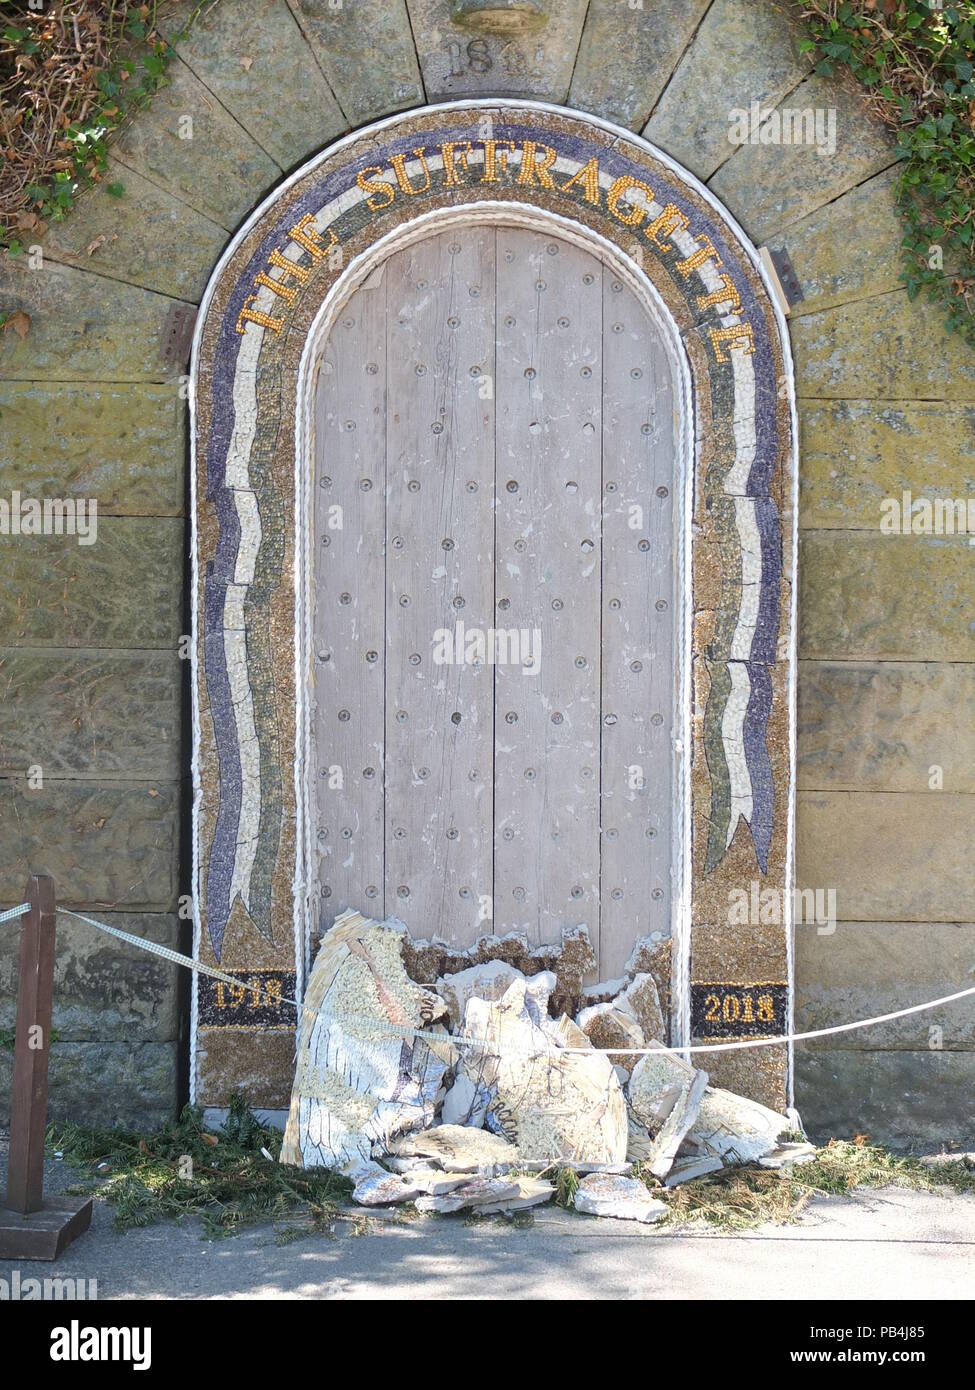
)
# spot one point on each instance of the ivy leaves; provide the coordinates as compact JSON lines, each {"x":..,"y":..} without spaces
{"x":917,"y":62}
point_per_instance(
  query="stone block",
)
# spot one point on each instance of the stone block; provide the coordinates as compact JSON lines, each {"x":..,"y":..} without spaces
{"x":865,"y":969}
{"x":461,"y":57}
{"x":885,"y":726}
{"x":856,"y":454}
{"x":125,"y":590}
{"x":105,"y":1084}
{"x":754,"y":46}
{"x":146,"y":237}
{"x":107,"y":846}
{"x":886,"y":347}
{"x":626,"y":56}
{"x":254,"y":58}
{"x":895,"y":598}
{"x":889,"y":857}
{"x":770,"y":186}
{"x":849,"y":249}
{"x":83,"y":327}
{"x":186,"y":142}
{"x":104,"y":989}
{"x":366,"y":52}
{"x":92,"y":714}
{"x":908,"y":1100}
{"x":122,"y":444}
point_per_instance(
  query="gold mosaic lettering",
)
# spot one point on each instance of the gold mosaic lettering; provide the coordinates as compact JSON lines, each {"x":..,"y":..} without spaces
{"x":637,"y":211}
{"x":727,"y":294}
{"x":298,"y":272}
{"x":285,"y":291}
{"x":531,"y":169}
{"x":249,"y":315}
{"x":379,"y":188}
{"x":305,"y":233}
{"x":740,"y":336}
{"x":706,"y":253}
{"x":496,"y":159}
{"x":454,"y":153}
{"x":398,"y":161}
{"x":670,"y":220}
{"x":588,"y":175}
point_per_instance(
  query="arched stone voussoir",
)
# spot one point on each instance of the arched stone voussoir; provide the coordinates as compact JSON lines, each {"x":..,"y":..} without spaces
{"x":262,"y":325}
{"x":254,"y":58}
{"x":140,"y":234}
{"x":817,"y":143}
{"x":189,"y":144}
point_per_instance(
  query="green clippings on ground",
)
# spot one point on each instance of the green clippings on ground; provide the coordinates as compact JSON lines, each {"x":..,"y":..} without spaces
{"x":185,"y":1169}
{"x":739,"y":1199}
{"x":223,"y":1178}
{"x":566,"y":1186}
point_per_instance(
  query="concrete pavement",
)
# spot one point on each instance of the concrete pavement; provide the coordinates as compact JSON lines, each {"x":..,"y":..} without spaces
{"x":877,"y":1244}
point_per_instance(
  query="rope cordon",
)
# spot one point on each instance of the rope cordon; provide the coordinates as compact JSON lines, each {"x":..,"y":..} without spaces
{"x":446,"y":1039}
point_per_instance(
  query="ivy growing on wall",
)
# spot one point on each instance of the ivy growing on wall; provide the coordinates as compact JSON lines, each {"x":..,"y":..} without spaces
{"x":916,"y":59}
{"x":71,"y":74}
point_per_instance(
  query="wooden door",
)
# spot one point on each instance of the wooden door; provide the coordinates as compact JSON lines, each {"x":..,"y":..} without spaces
{"x":495,"y":446}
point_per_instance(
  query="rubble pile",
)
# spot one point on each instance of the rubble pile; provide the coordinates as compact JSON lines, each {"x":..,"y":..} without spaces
{"x":464,"y":1094}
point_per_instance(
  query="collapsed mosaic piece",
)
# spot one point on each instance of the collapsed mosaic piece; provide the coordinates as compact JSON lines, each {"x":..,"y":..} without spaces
{"x":455,"y":1118}
{"x":363,"y":1078}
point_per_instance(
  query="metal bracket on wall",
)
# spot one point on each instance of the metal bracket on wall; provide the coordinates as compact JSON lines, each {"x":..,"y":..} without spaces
{"x":784,"y":278}
{"x":177,"y":336}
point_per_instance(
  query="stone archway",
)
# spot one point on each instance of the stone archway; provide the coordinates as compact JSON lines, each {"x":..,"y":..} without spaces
{"x":258,"y":338}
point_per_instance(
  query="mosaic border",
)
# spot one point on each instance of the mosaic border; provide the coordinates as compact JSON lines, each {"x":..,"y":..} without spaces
{"x":266,"y":295}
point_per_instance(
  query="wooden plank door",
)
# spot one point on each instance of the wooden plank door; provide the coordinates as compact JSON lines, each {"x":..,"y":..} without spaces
{"x":495,"y":457}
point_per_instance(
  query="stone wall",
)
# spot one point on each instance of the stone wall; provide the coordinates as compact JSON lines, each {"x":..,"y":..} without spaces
{"x":92,"y":679}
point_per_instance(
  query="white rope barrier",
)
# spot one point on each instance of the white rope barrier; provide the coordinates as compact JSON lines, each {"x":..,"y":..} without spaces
{"x":20,"y":910}
{"x":446,"y":1039}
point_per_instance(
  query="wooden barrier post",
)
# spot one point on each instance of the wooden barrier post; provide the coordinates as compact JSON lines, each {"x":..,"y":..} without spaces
{"x":30,"y":1227}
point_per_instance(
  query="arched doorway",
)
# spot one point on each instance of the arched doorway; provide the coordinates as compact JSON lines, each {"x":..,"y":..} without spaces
{"x":261,"y":744}
{"x":493,"y":574}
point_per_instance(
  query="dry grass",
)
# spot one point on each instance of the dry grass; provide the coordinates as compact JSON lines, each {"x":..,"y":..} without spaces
{"x":70,"y":76}
{"x":739,"y":1199}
